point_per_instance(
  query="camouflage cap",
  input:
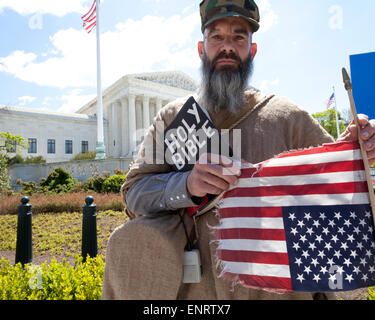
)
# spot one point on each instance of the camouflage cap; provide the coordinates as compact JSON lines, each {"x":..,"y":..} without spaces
{"x":212,"y":10}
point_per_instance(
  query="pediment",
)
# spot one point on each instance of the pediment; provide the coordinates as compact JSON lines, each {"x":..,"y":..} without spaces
{"x":175,"y":79}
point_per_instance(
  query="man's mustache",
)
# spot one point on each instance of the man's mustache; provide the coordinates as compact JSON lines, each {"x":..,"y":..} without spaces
{"x":224,"y":55}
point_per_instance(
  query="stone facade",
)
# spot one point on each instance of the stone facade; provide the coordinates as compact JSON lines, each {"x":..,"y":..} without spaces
{"x":63,"y":134}
{"x":129,"y":106}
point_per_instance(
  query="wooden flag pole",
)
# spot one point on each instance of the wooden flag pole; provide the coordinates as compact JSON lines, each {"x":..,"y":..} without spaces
{"x":349,"y":87}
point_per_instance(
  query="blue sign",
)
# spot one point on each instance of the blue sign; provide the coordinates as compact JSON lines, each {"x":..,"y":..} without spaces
{"x":362,"y":69}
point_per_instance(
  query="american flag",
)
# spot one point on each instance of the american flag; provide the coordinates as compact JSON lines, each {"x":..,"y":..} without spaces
{"x":89,"y":19}
{"x":330,"y":100}
{"x":301,"y":221}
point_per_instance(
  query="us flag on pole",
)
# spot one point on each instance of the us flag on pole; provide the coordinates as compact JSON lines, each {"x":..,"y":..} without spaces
{"x":89,"y":19}
{"x":301,"y":221}
{"x":330,"y":100}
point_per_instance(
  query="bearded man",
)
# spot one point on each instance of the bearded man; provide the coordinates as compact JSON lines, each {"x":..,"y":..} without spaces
{"x":145,"y":256}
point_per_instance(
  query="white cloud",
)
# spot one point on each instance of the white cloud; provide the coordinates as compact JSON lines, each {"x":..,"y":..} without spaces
{"x":57,"y":8}
{"x":16,"y":62}
{"x":150,"y":44}
{"x":25,"y":99}
{"x":74,"y":100}
{"x":268,"y":17}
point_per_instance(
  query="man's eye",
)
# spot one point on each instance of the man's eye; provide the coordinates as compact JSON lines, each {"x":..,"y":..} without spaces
{"x":239,"y":38}
{"x":216,"y":37}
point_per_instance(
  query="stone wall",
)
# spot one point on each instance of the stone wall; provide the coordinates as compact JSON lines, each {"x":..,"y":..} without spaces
{"x":80,"y":169}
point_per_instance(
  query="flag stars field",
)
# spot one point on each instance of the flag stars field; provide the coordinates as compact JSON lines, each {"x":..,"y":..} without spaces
{"x":341,"y":248}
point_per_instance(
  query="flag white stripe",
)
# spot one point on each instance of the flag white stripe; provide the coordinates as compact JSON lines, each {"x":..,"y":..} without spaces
{"x":332,"y":177}
{"x":304,"y":200}
{"x":326,"y":157}
{"x":257,"y":269}
{"x":257,"y":223}
{"x":253,"y":245}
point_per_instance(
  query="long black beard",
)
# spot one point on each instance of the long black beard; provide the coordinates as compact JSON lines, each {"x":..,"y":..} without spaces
{"x":225,"y":88}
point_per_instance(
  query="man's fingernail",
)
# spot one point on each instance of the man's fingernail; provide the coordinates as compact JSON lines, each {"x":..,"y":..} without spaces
{"x":365,"y":134}
{"x":368,"y":144}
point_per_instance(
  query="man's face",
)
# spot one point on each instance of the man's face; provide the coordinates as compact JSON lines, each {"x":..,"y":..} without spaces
{"x":226,"y":55}
{"x":227,"y":43}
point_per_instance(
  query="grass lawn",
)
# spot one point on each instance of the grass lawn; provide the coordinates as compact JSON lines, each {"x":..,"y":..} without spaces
{"x":57,"y":234}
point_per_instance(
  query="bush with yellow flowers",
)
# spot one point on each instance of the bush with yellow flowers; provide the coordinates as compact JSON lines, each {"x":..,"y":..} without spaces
{"x":54,"y":281}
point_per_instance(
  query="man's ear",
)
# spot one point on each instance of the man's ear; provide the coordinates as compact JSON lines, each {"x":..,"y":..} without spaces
{"x":200,"y":49}
{"x":253,"y":50}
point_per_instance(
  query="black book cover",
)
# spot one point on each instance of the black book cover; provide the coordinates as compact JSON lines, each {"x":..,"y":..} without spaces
{"x":190,"y":135}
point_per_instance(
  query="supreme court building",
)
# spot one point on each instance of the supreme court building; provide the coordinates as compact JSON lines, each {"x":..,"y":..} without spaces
{"x":129,"y":105}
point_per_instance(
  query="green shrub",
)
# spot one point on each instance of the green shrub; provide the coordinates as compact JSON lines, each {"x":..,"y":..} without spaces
{"x":15,"y":160}
{"x":113,"y":183}
{"x":85,"y":156}
{"x":4,"y":177}
{"x":95,"y":183}
{"x":58,"y":181}
{"x":56,"y":281}
{"x":30,"y":159}
{"x":371,"y":293}
{"x":29,"y":187}
{"x":36,"y":159}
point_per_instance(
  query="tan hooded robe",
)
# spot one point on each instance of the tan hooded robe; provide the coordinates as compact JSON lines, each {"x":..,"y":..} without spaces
{"x":144,"y":256}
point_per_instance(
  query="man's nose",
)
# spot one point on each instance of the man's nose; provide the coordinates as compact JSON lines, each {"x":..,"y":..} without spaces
{"x":227,"y":45}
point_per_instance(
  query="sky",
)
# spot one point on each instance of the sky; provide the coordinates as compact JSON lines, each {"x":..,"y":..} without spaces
{"x":48,"y":61}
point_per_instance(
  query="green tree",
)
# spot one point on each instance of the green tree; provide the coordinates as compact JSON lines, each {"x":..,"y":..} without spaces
{"x":8,"y":143}
{"x":327,"y":120}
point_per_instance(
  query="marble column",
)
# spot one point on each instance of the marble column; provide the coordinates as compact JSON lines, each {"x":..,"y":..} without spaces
{"x":114,"y":143}
{"x":124,"y":120}
{"x":132,"y":125}
{"x":158,"y":104}
{"x":146,"y":112}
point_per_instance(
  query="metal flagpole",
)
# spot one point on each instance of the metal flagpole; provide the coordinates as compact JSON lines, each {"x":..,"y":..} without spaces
{"x":348,"y":87}
{"x":100,"y":147}
{"x":337,"y":120}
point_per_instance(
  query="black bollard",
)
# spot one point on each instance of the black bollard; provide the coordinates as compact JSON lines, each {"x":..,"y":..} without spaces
{"x":24,"y":251}
{"x":89,"y":234}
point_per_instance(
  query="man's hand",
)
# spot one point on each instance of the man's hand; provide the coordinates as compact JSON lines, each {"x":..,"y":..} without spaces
{"x":367,"y":134}
{"x":212,"y":174}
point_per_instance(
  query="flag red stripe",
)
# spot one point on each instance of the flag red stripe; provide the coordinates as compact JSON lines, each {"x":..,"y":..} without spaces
{"x":298,"y":190}
{"x":91,"y":18}
{"x":90,"y":11}
{"x":249,"y":212}
{"x":341,"y":166}
{"x":89,"y":25}
{"x":253,"y":257}
{"x":331,"y":147}
{"x":89,"y":28}
{"x":275,"y":283}
{"x":251,"y":233}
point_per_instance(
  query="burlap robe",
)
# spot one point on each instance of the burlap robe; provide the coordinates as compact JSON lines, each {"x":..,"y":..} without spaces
{"x":144,"y":256}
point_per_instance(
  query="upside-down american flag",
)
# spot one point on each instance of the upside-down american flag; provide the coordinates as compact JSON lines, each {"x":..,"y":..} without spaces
{"x":301,"y":221}
{"x":89,"y":19}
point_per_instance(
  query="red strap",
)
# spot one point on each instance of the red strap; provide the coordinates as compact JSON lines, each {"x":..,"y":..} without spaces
{"x":192,"y":210}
